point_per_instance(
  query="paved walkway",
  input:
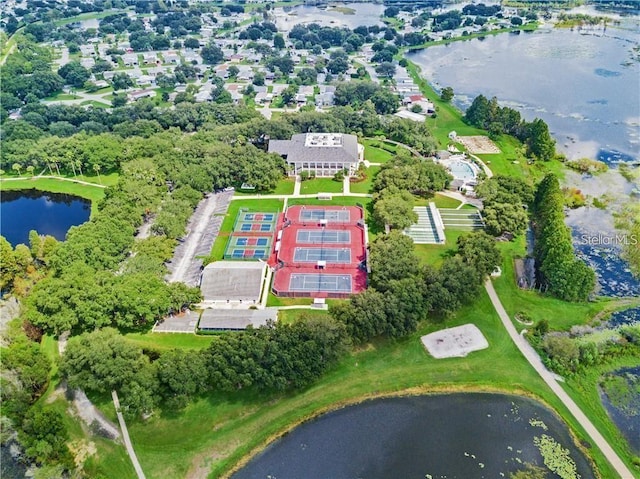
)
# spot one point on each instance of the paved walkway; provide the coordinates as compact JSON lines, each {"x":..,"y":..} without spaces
{"x":548,"y":377}
{"x":125,"y":436}
{"x":53,"y":177}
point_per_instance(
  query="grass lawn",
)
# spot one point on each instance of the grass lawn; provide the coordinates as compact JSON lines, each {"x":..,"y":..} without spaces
{"x":376,"y":154}
{"x":434,"y":254}
{"x":288,"y":316}
{"x":335,"y":200}
{"x":215,"y":432}
{"x":166,"y":341}
{"x":284,"y":187}
{"x":441,"y":201}
{"x":273,"y":300}
{"x":52,"y":185}
{"x":320,"y":185}
{"x":560,"y":314}
{"x":365,"y":186}
{"x":96,"y":104}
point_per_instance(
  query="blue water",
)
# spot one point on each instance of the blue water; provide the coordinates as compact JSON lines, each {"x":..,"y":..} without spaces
{"x":442,"y":436}
{"x":623,"y":318}
{"x":47,"y":213}
{"x":585,"y":86}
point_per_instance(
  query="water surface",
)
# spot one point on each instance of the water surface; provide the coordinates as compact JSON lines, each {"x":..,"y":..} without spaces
{"x":459,"y":435}
{"x":585,"y":86}
{"x":47,"y":213}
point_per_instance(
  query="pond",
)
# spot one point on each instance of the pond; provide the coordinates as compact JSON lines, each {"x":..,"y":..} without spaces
{"x":47,"y":213}
{"x":350,"y":15}
{"x":620,"y":395}
{"x":455,"y":435}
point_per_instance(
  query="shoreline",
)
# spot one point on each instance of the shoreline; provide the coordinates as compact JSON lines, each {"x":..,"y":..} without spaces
{"x":410,"y":392}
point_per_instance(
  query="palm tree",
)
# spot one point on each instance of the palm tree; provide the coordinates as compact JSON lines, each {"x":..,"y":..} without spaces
{"x":17,"y":167}
{"x":97,"y":168}
{"x":79,"y":165}
{"x":30,"y":169}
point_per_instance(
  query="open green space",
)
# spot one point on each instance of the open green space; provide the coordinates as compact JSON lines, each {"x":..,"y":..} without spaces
{"x":377,"y":151}
{"x":85,"y":16}
{"x":289,"y":316}
{"x":215,"y":432}
{"x":434,"y":254}
{"x":320,"y":185}
{"x":439,"y":199}
{"x":560,"y":314}
{"x":365,"y":186}
{"x":165,"y":341}
{"x":273,"y":300}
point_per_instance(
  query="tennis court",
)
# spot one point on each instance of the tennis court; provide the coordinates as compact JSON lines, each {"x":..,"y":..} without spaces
{"x":257,"y":217}
{"x":324,"y":214}
{"x":323,"y":236}
{"x":330,"y":255}
{"x":255,"y":227}
{"x":312,"y":282}
{"x":239,"y":253}
{"x":250,"y":241}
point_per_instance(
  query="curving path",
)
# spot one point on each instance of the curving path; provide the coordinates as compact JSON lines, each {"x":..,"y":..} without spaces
{"x":53,"y":177}
{"x":529,"y":353}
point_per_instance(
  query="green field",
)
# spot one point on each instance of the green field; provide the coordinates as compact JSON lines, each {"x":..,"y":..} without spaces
{"x":365,"y":186}
{"x":376,"y":151}
{"x":165,"y":341}
{"x":320,"y":185}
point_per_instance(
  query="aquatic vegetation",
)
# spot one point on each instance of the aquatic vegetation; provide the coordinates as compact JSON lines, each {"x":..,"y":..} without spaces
{"x":556,"y":457}
{"x":623,"y":390}
{"x":538,"y":423}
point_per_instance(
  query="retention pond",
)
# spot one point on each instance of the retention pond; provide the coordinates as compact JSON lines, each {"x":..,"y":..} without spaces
{"x":455,"y":435}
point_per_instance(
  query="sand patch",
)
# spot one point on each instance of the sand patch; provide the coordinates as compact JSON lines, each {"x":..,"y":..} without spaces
{"x":455,"y":342}
{"x":478,"y":144}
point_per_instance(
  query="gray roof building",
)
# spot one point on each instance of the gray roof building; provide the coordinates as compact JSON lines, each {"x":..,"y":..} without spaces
{"x":321,"y":153}
{"x":233,"y":319}
{"x":233,"y":281}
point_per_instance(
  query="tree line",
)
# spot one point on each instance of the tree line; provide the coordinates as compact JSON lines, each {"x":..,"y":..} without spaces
{"x":488,"y":115}
{"x":559,"y":271}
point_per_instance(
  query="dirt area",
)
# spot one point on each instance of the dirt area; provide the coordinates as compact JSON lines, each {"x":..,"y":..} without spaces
{"x":478,"y":144}
{"x":454,"y":342}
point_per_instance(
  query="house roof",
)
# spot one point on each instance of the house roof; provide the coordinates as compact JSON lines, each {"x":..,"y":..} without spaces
{"x":319,"y":147}
{"x":225,"y":319}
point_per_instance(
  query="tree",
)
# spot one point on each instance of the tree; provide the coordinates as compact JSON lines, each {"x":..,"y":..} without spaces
{"x":212,"y":54}
{"x":74,"y":74}
{"x":191,"y":43}
{"x":258,"y":79}
{"x":364,"y":315}
{"x":446,"y":94}
{"x":516,"y":21}
{"x":392,"y":257}
{"x":395,"y":210}
{"x":391,"y":12}
{"x":44,"y":436}
{"x":233,"y":71}
{"x":101,"y":361}
{"x":385,"y":102}
{"x":479,"y":250}
{"x":503,"y":218}
{"x":386,"y":69}
{"x":539,"y":140}
{"x":17,"y":167}
{"x":121,"y":81}
{"x":278,"y":42}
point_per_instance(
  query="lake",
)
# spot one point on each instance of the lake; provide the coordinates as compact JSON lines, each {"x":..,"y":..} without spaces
{"x":457,"y":435}
{"x":365,"y":14}
{"x":585,"y":86}
{"x":47,"y":213}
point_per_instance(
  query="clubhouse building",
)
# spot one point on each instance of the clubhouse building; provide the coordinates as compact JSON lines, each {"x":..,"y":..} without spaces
{"x":321,"y":154}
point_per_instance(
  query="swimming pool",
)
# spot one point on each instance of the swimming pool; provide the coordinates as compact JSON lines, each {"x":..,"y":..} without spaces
{"x":462,"y":170}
